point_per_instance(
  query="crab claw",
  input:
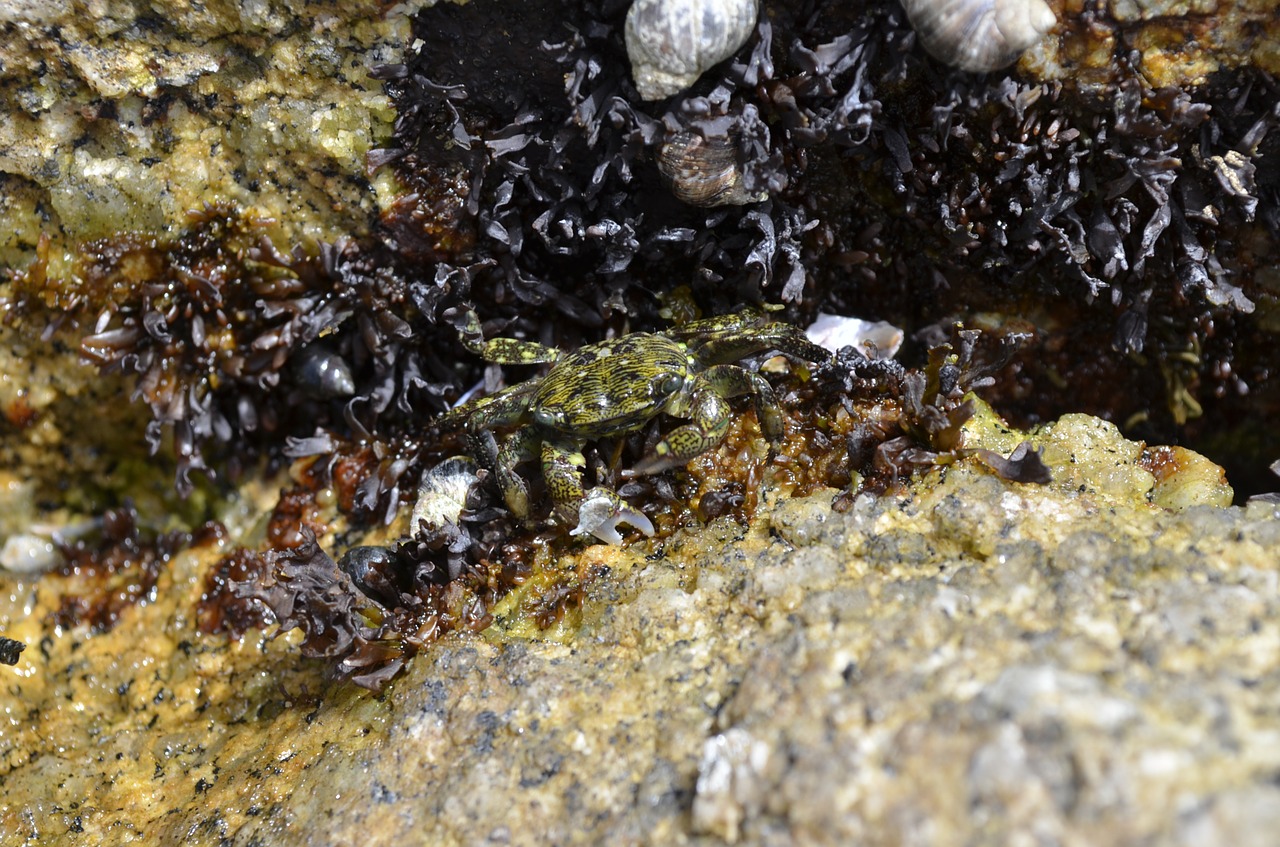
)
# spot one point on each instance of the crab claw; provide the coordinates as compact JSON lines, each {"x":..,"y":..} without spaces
{"x":600,"y":513}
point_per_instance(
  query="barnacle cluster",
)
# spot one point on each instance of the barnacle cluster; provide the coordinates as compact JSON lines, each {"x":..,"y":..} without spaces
{"x":1111,"y":235}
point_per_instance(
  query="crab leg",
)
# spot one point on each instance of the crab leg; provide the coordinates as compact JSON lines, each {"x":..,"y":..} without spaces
{"x":520,"y":447}
{"x":732,"y":337}
{"x":710,"y":415}
{"x":562,"y":470}
{"x":503,"y":351}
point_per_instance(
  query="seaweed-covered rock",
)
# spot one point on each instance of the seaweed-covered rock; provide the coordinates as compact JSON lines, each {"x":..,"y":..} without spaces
{"x":957,"y":629}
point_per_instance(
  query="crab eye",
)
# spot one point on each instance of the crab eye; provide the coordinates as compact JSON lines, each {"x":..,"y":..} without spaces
{"x":668,"y":384}
{"x":545,"y":417}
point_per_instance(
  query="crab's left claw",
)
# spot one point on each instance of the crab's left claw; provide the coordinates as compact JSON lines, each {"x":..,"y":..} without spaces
{"x":600,"y":513}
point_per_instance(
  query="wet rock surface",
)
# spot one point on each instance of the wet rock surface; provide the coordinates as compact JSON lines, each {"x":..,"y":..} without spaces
{"x":964,"y":659}
{"x":972,"y":659}
{"x":126,"y":115}
{"x":1174,"y":42}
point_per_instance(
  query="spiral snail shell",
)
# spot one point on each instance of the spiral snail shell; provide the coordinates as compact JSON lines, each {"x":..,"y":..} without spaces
{"x":671,"y":42}
{"x":703,"y":171}
{"x":979,"y":35}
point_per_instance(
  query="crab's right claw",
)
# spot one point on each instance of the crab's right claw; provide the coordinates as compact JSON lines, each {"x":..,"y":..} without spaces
{"x":600,"y":513}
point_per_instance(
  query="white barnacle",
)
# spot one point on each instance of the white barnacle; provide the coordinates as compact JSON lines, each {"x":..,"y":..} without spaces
{"x":442,"y":495}
{"x":873,"y":339}
{"x":979,"y":35}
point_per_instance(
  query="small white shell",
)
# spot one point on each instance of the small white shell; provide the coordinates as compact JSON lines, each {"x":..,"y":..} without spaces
{"x":601,"y":512}
{"x":671,"y":42}
{"x":873,"y":339}
{"x":979,"y":35}
{"x":28,"y":554}
{"x":442,"y":495}
{"x":703,"y":171}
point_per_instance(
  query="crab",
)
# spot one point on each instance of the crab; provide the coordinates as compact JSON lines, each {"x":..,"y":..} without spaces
{"x":615,"y":387}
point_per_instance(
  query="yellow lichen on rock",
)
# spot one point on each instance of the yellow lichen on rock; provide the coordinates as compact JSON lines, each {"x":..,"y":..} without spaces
{"x":1184,"y":478}
{"x":134,"y":122}
{"x":1090,"y":455}
{"x":1175,"y":44}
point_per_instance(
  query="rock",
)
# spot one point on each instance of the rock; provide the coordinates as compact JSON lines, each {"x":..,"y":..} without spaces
{"x":1049,"y":662}
{"x":968,"y":659}
{"x":124,"y":116}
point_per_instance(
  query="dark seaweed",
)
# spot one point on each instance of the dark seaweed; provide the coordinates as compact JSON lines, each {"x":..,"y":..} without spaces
{"x":10,"y":650}
{"x":1024,"y":464}
{"x":931,"y":409}
{"x":240,"y":349}
{"x":899,"y":189}
{"x":372,"y":611}
{"x":305,"y":590}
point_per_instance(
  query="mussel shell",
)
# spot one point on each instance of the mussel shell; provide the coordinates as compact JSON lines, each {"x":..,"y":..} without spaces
{"x":703,"y":171}
{"x":979,"y":35}
{"x":671,"y":42}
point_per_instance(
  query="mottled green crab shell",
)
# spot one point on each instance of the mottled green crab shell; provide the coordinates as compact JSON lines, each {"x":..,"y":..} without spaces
{"x":611,"y":387}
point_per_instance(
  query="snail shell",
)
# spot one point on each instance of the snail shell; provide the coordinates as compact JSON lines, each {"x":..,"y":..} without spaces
{"x":979,"y":35}
{"x":324,"y":373}
{"x":671,"y":42}
{"x":372,"y":569}
{"x":704,"y":171}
